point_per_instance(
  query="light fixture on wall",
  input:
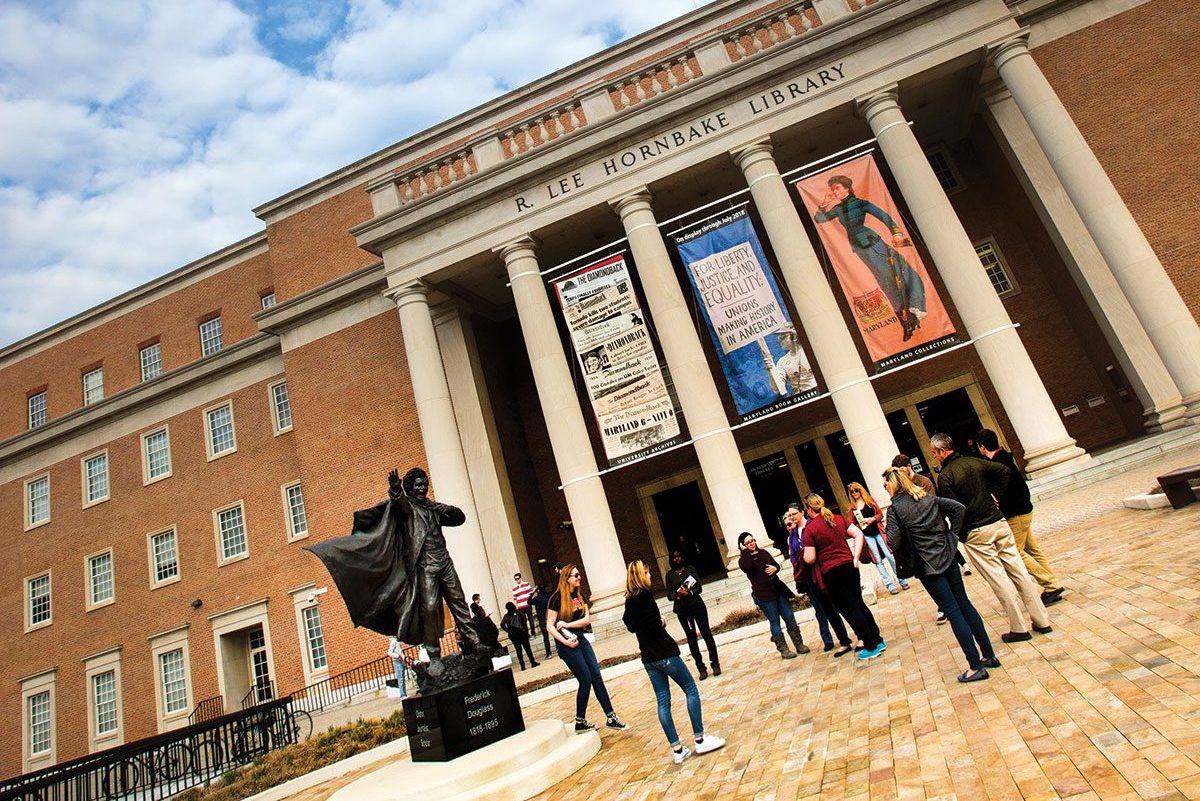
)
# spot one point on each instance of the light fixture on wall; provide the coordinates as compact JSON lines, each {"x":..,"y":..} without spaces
{"x":197,"y":603}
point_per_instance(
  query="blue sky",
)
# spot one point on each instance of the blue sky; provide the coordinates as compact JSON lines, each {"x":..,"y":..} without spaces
{"x":136,"y":136}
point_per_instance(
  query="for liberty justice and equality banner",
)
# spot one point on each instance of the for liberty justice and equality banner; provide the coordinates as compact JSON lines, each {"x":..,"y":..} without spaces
{"x":633,"y":409}
{"x":760,"y":354}
{"x":887,"y":285}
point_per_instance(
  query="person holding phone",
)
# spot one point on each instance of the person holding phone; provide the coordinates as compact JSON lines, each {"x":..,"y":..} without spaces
{"x":570,"y":623}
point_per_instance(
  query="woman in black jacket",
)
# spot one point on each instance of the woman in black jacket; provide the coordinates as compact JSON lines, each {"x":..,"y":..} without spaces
{"x":683,"y":586}
{"x":926,"y":546}
{"x":660,"y":656}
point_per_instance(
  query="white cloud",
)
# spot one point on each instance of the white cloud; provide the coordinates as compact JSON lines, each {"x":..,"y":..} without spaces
{"x":138,"y":135}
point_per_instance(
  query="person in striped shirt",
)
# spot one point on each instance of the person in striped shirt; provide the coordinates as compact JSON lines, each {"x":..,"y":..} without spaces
{"x":521,"y":593}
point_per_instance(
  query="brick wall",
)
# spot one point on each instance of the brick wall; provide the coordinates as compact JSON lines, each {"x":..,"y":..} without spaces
{"x":314,"y":246}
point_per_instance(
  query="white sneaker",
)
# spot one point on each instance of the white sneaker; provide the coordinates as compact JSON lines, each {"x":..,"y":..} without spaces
{"x":681,"y":755}
{"x":711,"y":742}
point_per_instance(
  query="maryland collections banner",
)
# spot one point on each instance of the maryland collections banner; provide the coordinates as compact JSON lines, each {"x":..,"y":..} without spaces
{"x":629,"y":397}
{"x":896,"y":306}
{"x":760,"y":354}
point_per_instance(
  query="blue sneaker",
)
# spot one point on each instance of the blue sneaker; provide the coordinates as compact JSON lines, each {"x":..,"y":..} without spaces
{"x":865,"y":653}
{"x":871,"y":653}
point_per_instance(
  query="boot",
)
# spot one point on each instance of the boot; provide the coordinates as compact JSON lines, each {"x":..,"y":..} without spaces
{"x":784,"y":651}
{"x":797,"y":640}
{"x":702,"y":670}
{"x":716,"y":668}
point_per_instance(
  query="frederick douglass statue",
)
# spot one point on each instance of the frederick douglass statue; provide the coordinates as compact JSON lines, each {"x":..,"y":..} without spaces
{"x":394,"y":571}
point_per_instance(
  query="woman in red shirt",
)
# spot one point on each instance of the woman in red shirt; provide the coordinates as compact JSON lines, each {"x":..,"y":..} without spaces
{"x":836,"y":568}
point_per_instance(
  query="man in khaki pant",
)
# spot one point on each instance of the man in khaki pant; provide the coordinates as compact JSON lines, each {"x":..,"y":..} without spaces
{"x":977,"y":483}
{"x":1017,"y":508}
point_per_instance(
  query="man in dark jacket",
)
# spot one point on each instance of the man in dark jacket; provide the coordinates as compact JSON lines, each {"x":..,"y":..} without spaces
{"x":977,"y":483}
{"x":1017,"y":508}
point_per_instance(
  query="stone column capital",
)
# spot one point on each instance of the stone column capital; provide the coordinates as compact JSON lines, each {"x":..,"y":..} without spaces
{"x":756,"y":152}
{"x":884,"y":99}
{"x":524,"y":246}
{"x":413,"y":292}
{"x":637,"y":200}
{"x":1009,"y":48}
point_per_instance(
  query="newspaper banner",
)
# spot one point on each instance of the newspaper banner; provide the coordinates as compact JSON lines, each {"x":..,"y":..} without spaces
{"x":633,"y":410}
{"x":895,"y":305}
{"x":760,"y":354}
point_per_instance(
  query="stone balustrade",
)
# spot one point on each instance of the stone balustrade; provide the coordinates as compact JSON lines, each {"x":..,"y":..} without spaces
{"x":789,"y":22}
{"x":544,"y":127}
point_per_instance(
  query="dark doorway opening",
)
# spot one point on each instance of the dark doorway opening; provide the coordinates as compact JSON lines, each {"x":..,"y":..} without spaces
{"x":843,"y":459}
{"x":774,"y":488}
{"x":953,"y":414}
{"x":815,"y":475}
{"x":906,"y":440}
{"x":683,"y":518}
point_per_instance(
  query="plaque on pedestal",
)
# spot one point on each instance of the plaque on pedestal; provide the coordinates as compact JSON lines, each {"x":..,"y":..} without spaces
{"x":458,"y":720}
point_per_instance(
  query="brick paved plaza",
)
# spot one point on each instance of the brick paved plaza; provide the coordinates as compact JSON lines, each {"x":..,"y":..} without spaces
{"x":1105,"y":707}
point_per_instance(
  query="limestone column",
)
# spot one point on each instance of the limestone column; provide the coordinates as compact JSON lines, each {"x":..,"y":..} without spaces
{"x":720,"y":461}
{"x":832,"y":345}
{"x":1022,"y":393}
{"x":448,"y":476}
{"x":1162,"y":405}
{"x":1133,"y":262}
{"x":603,"y":564}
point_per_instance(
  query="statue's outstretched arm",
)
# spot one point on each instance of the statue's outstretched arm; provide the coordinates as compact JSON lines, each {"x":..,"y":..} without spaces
{"x":450,"y":515}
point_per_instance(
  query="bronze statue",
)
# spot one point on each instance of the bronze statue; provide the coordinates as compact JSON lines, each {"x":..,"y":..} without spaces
{"x":394,"y":570}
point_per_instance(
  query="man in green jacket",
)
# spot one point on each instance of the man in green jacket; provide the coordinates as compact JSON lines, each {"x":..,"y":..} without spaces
{"x":977,"y":483}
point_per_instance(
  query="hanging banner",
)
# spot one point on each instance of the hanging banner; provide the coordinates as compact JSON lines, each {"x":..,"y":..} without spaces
{"x":633,"y":410}
{"x":760,"y":354}
{"x":895,"y":305}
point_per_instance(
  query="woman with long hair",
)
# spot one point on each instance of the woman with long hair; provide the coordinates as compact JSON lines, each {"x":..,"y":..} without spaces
{"x":570,"y":623}
{"x":660,"y":657}
{"x":867,"y":515}
{"x":770,"y":594}
{"x":836,"y":566}
{"x":917,"y":531}
{"x":829,"y":622}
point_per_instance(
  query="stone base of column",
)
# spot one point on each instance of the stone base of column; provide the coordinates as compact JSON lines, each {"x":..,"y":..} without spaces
{"x":1066,"y":457}
{"x":1192,"y":402}
{"x":608,"y":600}
{"x":1167,"y":419}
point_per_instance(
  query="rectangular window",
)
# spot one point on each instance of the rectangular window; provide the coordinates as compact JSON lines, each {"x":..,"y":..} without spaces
{"x":316,"y":638}
{"x":37,"y":590}
{"x":210,"y":337}
{"x":293,"y":497}
{"x":93,"y":386}
{"x":164,"y":554}
{"x":95,"y":478}
{"x":156,"y":453}
{"x":174,"y":681}
{"x":944,"y":169}
{"x":268,"y":300}
{"x":104,"y":701}
{"x":282,"y":407}
{"x":37,"y":500}
{"x":997,"y":272}
{"x":100,"y":578}
{"x":151,"y":357}
{"x":221,"y":437}
{"x":39,"y":723}
{"x":231,"y":531}
{"x":38,"y":413}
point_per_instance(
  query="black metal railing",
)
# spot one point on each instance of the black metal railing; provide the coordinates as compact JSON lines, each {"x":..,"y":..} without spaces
{"x":260,"y":693}
{"x":207,"y":709}
{"x":161,"y":766}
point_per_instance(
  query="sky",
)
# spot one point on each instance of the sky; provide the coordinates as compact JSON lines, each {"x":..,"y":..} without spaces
{"x":136,"y":137}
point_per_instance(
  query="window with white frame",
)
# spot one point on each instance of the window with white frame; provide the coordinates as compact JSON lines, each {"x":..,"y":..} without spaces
{"x":268,"y":300}
{"x":210,"y":337}
{"x":173,"y":676}
{"x":104,"y":702}
{"x":151,"y":358}
{"x":156,"y":454}
{"x":37,"y":500}
{"x":945,"y":169}
{"x":40,"y":739}
{"x":95,"y":478}
{"x":93,"y":386}
{"x":297,"y":520}
{"x":37,"y":600}
{"x":100,"y":578}
{"x":221,"y":437}
{"x":281,"y":406}
{"x":164,"y":557}
{"x":315,"y":636}
{"x":38,"y":409}
{"x":231,"y":532}
{"x":997,"y":271}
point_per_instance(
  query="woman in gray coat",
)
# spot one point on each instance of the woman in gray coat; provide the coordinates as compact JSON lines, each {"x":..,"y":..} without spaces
{"x":925,"y":547}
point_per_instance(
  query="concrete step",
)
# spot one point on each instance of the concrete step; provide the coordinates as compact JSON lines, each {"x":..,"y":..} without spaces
{"x":1114,"y":461}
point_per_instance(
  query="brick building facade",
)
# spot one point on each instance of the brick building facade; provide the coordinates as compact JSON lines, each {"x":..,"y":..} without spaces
{"x":158,"y":523}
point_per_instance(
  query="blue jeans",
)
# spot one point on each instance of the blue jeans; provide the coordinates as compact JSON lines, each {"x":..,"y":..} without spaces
{"x":779,"y":608}
{"x":827,"y":617}
{"x":880,"y":551}
{"x":398,"y":666}
{"x":672,"y":668}
{"x":586,"y":670}
{"x":947,"y":591}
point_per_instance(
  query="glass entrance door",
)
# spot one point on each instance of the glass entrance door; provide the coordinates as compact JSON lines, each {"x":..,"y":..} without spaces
{"x":683,"y":518}
{"x":774,"y":488}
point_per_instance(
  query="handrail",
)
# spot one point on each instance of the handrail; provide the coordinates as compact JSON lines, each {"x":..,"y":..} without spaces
{"x":207,"y":709}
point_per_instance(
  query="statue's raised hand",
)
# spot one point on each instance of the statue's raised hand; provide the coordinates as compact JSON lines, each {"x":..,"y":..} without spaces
{"x":395,"y":487}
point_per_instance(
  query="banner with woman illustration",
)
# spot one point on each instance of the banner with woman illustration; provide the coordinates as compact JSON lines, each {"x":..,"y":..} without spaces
{"x":895,"y":304}
{"x":760,"y":354}
{"x":633,"y":410}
